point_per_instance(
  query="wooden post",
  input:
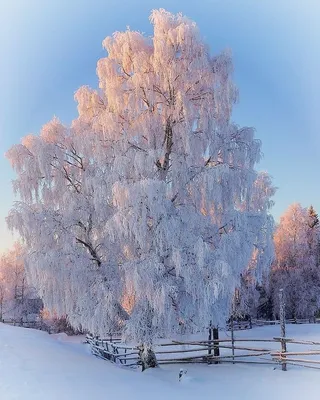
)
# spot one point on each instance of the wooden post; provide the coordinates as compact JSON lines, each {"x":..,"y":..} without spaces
{"x":283,"y":329}
{"x":216,"y":350}
{"x":210,"y":338}
{"x":232,"y":337}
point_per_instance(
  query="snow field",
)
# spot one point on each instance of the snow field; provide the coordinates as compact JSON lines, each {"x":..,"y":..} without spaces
{"x":38,"y":366}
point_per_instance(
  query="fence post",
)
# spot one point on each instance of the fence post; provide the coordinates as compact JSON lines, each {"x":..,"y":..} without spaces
{"x":210,"y":338}
{"x":232,"y":337}
{"x":283,"y":330}
{"x":216,"y":350}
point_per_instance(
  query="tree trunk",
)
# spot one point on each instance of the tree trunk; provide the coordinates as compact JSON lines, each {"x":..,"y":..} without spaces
{"x":147,"y":357}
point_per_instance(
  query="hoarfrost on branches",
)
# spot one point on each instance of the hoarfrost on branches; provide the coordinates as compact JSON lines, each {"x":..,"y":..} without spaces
{"x":144,"y":212}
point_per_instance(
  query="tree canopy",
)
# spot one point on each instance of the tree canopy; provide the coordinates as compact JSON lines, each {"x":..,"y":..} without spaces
{"x":142,"y":214}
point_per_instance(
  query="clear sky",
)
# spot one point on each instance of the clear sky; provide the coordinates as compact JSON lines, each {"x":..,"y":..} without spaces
{"x":50,"y":47}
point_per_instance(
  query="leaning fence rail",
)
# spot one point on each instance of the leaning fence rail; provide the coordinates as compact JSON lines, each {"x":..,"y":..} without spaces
{"x":114,"y":351}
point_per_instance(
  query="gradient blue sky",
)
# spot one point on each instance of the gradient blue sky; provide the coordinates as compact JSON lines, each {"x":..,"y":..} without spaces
{"x":50,"y":47}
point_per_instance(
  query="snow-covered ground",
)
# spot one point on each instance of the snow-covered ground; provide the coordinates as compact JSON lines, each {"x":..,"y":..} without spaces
{"x":37,"y":366}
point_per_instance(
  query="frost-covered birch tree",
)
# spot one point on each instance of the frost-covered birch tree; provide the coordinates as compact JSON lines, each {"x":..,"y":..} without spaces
{"x":296,"y":267}
{"x":15,"y":290}
{"x":149,"y":202}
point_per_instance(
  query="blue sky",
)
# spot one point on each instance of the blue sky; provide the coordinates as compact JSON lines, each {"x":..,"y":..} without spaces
{"x":50,"y":47}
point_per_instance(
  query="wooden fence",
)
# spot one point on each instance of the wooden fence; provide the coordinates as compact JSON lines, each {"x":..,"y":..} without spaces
{"x":236,"y":351}
{"x":278,"y":350}
{"x":242,"y":351}
{"x":248,"y":324}
{"x":258,"y":322}
{"x":24,"y":324}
